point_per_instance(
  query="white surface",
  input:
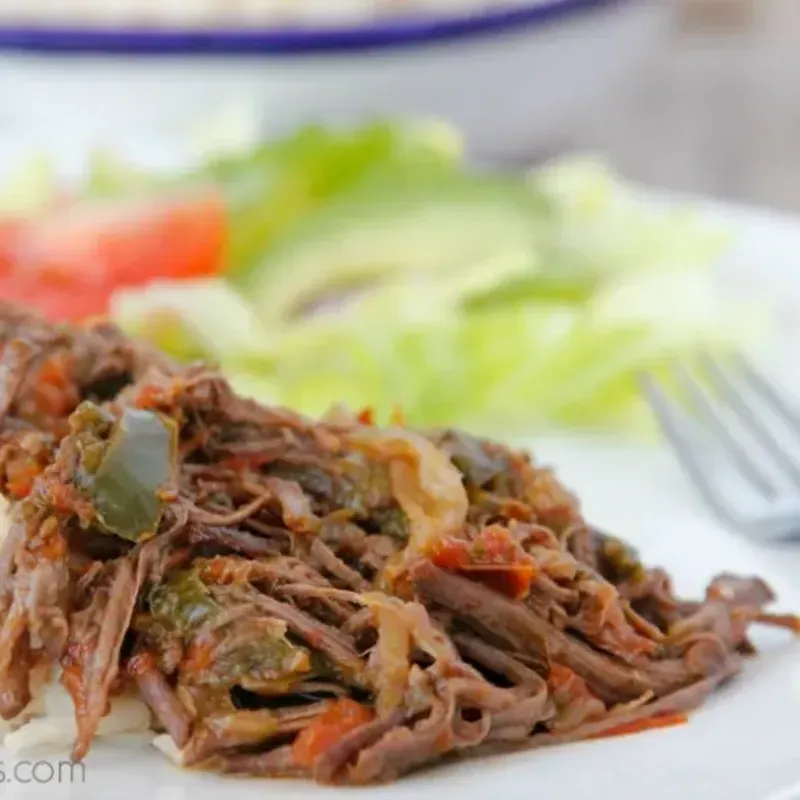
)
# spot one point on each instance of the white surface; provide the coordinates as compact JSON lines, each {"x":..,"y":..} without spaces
{"x":744,"y":745}
{"x":507,"y":93}
{"x":762,"y":265}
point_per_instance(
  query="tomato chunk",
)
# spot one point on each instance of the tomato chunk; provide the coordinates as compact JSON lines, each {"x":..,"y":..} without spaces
{"x":55,"y":304}
{"x":493,"y":558}
{"x":20,"y":475}
{"x":366,"y":416}
{"x":67,"y":264}
{"x":342,"y":717}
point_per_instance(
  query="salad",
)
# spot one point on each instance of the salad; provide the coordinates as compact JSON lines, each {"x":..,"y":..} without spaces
{"x":374,"y":267}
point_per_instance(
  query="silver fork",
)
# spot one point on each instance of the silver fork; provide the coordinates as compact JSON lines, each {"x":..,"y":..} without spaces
{"x":738,"y":439}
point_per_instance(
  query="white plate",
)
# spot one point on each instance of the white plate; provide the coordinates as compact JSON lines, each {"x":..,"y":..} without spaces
{"x":743,"y":745}
{"x":148,"y":105}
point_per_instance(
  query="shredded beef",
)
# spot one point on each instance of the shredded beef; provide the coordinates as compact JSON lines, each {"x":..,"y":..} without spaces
{"x":329,"y":600}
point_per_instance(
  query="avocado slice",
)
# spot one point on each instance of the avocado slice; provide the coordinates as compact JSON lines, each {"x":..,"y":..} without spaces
{"x":396,"y":224}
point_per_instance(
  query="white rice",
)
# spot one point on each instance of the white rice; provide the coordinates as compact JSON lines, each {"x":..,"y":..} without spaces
{"x":49,"y":720}
{"x":163,"y":742}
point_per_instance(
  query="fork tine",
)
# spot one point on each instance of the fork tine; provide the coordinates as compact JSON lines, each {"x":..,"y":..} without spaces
{"x":674,"y":429}
{"x":769,"y":392}
{"x":780,"y":525}
{"x":712,"y":420}
{"x":748,"y":416}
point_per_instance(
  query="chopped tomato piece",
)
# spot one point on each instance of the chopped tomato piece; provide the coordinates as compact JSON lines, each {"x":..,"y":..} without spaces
{"x":218,"y":570}
{"x":50,"y":543}
{"x":493,"y":558}
{"x":10,"y":232}
{"x":149,"y":397}
{"x":126,"y":243}
{"x":199,"y":655}
{"x":560,"y":677}
{"x":342,"y":717}
{"x":52,"y":548}
{"x":20,"y":475}
{"x":55,"y":394}
{"x":665,"y":720}
{"x":247,"y":461}
{"x":153,"y":396}
{"x":56,"y":304}
{"x":60,"y":497}
{"x":366,"y":416}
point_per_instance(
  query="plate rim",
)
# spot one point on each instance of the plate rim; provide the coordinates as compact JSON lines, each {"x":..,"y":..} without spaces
{"x":293,"y":40}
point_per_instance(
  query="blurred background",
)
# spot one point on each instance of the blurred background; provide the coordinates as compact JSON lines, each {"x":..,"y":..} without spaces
{"x":715,"y":108}
{"x":446,"y":176}
{"x":708,"y":103}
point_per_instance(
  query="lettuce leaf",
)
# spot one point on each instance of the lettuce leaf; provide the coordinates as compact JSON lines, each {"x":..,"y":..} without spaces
{"x":500,"y":369}
{"x":505,"y":304}
{"x":549,"y":330}
{"x":199,"y":319}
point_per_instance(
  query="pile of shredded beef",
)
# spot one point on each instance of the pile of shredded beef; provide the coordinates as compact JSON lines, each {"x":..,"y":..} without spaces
{"x":330,"y":599}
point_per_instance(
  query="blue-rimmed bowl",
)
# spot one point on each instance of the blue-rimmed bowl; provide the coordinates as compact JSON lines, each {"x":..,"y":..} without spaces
{"x":511,"y":79}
